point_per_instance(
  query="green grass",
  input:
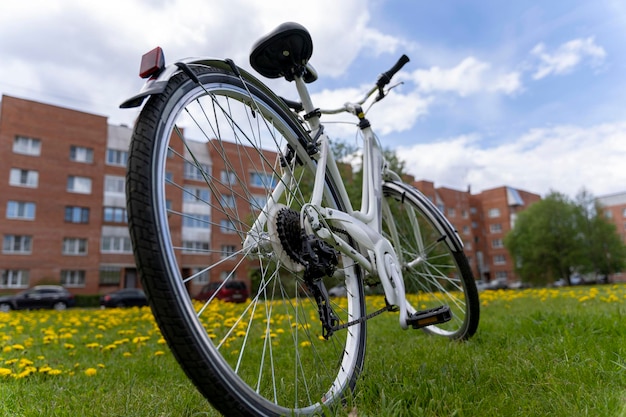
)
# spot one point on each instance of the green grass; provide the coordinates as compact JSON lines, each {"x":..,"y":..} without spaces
{"x":537,"y":353}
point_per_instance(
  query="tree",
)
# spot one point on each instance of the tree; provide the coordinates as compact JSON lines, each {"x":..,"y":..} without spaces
{"x":545,"y":241}
{"x":605,"y":250}
{"x":557,"y":236}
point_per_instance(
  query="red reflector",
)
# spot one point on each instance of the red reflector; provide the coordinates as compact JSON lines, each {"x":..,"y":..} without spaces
{"x":152,"y":63}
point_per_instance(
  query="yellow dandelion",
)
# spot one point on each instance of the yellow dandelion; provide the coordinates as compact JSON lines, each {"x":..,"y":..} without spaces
{"x":159,"y":353}
{"x":127,"y":354}
{"x":7,"y":349}
{"x":18,"y":347}
{"x":55,"y":372}
{"x":101,"y":365}
{"x":5,"y":372}
{"x":90,"y":371}
{"x":306,"y":343}
{"x":68,"y":346}
{"x":92,"y":345}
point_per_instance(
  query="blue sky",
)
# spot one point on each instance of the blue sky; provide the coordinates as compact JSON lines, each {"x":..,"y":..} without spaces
{"x":528,"y":94}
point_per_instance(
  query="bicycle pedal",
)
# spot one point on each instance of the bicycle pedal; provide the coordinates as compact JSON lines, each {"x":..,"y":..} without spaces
{"x":425,"y":318}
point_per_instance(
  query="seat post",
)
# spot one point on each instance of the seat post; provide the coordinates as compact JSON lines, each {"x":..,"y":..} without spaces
{"x":307,"y":103}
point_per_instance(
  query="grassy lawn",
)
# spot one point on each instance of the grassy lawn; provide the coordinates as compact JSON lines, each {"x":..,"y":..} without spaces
{"x":558,"y":352}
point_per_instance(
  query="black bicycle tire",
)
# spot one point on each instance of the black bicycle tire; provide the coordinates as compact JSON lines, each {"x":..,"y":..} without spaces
{"x":211,"y":377}
{"x":406,"y":193}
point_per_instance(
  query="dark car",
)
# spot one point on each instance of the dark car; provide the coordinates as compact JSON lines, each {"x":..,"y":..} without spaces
{"x":231,"y":291}
{"x":127,"y":297}
{"x":40,"y":296}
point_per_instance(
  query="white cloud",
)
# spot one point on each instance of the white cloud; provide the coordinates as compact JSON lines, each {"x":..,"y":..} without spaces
{"x":566,"y":57}
{"x":470,"y":76}
{"x":561,"y":158}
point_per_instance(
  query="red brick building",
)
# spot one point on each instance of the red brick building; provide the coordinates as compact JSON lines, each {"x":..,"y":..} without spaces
{"x":63,"y":210}
{"x":482,"y":220}
{"x":63,"y":207}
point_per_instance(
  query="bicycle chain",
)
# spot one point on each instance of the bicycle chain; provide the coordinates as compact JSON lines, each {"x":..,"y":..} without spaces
{"x":364,"y":318}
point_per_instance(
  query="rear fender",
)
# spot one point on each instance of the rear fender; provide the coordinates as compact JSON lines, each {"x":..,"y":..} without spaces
{"x":156,"y":85}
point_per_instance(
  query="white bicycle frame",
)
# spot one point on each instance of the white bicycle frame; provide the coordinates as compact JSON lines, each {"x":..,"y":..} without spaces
{"x":377,"y":255}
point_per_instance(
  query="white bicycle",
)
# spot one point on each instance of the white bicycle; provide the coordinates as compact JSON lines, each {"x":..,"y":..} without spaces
{"x":271,"y":209}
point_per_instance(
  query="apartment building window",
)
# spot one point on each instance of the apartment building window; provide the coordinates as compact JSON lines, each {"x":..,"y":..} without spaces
{"x":624,"y":212}
{"x":17,"y":244}
{"x":195,"y":194}
{"x":110,"y":275}
{"x":116,"y":157}
{"x":451,"y":212}
{"x":195,"y":172}
{"x":495,"y":228}
{"x":228,"y":177}
{"x":499,"y":260}
{"x":497,"y":243}
{"x":196,"y":221}
{"x":228,"y":250}
{"x":74,"y":246}
{"x":116,"y":244}
{"x":76,"y":214}
{"x":14,"y":278}
{"x":73,"y":278}
{"x":225,"y":275}
{"x":27,"y":146}
{"x":114,"y":184}
{"x":227,"y":201}
{"x":21,"y":210}
{"x":80,"y":185}
{"x":494,"y":212}
{"x":466,"y":230}
{"x":227,"y":227}
{"x":190,"y":246}
{"x":257,"y":202}
{"x":81,"y":154}
{"x":501,"y":276}
{"x":264,"y":180}
{"x":608,"y":214}
{"x":115,"y":215}
{"x":464,"y":214}
{"x":200,"y":276}
{"x":24,"y":178}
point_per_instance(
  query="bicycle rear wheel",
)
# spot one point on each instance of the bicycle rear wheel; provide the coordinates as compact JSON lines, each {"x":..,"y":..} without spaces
{"x":217,"y":175}
{"x":434,"y":267}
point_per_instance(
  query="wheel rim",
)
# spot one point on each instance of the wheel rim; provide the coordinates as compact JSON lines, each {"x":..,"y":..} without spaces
{"x":431,"y":271}
{"x":271,"y":343}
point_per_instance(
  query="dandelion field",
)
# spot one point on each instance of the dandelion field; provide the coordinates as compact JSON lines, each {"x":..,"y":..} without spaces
{"x":537,"y":352}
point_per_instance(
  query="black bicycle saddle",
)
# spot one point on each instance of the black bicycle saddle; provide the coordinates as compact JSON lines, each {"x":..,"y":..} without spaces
{"x":283,"y":52}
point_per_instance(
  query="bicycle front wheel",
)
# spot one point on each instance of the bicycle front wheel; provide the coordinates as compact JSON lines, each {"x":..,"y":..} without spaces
{"x":218,"y":173}
{"x":434,"y":267}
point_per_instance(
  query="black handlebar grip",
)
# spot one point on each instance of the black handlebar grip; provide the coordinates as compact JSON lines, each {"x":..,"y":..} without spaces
{"x":385,"y":77}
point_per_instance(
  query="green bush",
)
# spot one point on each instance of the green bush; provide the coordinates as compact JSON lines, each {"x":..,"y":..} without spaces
{"x":87,"y":300}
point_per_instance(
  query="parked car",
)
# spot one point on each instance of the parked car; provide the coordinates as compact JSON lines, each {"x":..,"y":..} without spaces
{"x":231,"y":291}
{"x":127,"y":297}
{"x":40,"y":296}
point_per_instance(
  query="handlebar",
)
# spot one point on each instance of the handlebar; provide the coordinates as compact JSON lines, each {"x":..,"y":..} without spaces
{"x":386,"y":76}
{"x":382,"y":81}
